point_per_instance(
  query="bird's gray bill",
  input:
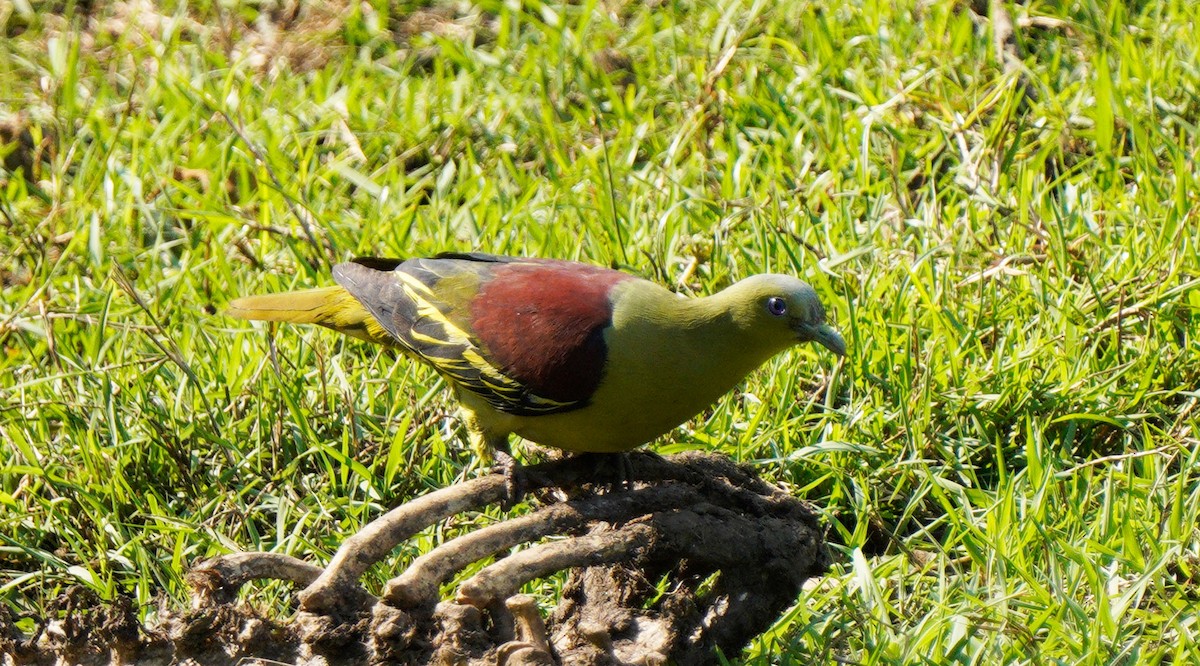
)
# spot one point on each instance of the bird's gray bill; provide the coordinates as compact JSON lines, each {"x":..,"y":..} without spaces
{"x":827,"y":337}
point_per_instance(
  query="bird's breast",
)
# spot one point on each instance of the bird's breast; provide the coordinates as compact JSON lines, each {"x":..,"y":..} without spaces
{"x":658,"y":375}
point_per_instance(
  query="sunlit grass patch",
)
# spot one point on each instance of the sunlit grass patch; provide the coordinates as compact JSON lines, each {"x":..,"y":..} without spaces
{"x":1006,"y":460}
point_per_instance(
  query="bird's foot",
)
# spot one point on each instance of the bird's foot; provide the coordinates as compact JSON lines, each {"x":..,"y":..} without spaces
{"x":515,"y":484}
{"x":624,"y":478}
{"x":612,"y":471}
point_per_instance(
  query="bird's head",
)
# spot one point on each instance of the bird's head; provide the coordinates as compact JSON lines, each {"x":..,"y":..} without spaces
{"x":785,"y":309}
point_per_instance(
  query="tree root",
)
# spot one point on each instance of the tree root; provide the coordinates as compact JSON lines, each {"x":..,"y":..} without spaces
{"x":689,"y":557}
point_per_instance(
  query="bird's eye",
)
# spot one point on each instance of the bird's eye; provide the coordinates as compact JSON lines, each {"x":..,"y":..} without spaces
{"x":776,"y":306}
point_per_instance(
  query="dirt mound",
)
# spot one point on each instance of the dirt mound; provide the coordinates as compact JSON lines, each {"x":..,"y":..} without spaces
{"x":682,"y":559}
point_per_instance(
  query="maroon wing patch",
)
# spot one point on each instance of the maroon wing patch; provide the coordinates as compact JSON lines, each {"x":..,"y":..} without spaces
{"x":542,"y":323}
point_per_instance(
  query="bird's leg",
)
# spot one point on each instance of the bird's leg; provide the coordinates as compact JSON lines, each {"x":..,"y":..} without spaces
{"x":514,"y":474}
{"x":493,"y":444}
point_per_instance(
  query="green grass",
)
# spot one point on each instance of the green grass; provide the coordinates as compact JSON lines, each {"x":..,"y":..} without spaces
{"x":1007,"y":461}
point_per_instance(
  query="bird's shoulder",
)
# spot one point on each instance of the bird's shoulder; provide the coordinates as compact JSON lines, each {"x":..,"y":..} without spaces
{"x":525,"y":334}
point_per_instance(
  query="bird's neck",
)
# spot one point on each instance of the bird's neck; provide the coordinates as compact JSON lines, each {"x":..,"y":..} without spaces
{"x":675,"y":356}
{"x":709,"y":315}
{"x":715,"y":336}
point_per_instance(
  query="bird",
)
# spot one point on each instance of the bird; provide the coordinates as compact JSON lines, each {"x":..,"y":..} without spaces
{"x":560,"y":353}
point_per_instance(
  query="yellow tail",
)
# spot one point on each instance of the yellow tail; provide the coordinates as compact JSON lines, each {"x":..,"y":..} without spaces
{"x":331,"y":307}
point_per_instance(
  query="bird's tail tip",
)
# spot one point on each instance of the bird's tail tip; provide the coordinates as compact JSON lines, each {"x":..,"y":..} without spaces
{"x":300,"y":307}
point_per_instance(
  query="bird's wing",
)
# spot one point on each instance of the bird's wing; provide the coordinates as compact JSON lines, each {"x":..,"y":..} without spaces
{"x":527,"y":335}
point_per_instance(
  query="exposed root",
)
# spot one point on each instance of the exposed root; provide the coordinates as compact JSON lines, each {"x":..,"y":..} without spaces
{"x":217,"y":581}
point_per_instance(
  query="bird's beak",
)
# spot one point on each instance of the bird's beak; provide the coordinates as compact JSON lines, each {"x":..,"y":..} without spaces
{"x":826,"y":336}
